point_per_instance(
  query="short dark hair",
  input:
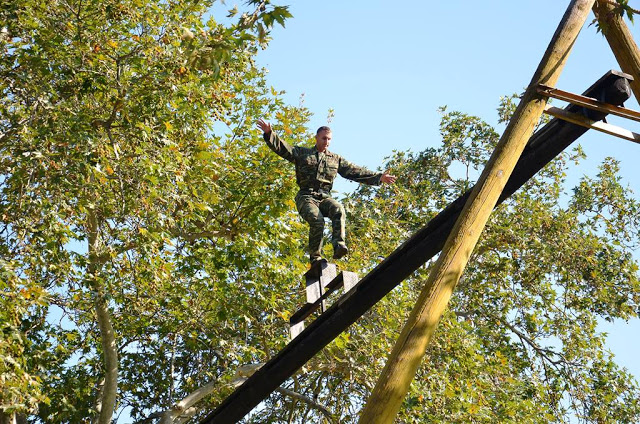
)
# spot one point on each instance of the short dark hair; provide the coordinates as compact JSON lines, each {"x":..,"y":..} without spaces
{"x":323,"y":128}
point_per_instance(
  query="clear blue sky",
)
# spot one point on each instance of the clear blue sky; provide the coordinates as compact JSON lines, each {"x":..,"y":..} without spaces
{"x":385,"y":69}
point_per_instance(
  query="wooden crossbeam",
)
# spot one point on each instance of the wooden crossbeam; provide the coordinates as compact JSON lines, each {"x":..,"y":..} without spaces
{"x":588,"y":102}
{"x":601,"y":126}
{"x":345,"y":279}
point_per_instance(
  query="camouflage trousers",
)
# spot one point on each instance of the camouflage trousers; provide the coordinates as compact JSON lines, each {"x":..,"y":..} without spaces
{"x":314,"y":208}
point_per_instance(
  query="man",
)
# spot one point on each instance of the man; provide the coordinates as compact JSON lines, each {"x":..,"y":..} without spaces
{"x":316,"y":168}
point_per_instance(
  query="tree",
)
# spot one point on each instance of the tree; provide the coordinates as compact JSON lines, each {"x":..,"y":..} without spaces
{"x":125,"y":147}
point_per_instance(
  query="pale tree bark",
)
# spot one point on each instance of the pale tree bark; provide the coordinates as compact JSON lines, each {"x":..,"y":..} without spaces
{"x":323,"y":409}
{"x":185,"y":409}
{"x":621,"y":42}
{"x":107,"y":394}
{"x":393,"y":384}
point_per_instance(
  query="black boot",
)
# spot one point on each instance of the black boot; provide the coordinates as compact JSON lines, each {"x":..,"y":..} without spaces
{"x":340,"y":250}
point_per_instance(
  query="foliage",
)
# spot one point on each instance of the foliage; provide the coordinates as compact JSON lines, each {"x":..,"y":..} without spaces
{"x":20,"y":305}
{"x":132,"y":178}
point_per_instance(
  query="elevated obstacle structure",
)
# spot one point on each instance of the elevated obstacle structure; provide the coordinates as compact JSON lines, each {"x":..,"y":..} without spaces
{"x":612,"y":90}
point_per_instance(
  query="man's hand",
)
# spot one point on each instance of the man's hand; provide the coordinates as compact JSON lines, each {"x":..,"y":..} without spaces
{"x":387,"y":178}
{"x":264,"y":126}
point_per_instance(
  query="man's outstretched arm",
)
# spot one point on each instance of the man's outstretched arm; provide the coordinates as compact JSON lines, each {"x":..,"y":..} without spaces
{"x":274,"y":142}
{"x":362,"y":175}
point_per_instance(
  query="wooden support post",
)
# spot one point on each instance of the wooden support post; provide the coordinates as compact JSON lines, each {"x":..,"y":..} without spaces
{"x":393,"y":384}
{"x":621,"y":41}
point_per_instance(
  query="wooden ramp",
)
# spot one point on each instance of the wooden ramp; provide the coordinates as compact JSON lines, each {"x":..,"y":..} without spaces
{"x":613,"y":88}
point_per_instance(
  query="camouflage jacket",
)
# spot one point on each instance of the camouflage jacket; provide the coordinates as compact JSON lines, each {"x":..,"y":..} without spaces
{"x":316,"y":171}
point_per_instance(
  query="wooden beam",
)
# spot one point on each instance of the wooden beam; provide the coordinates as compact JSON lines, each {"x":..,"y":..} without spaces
{"x":311,"y":307}
{"x":588,"y":102}
{"x":406,"y":356}
{"x":589,"y":123}
{"x":545,"y":145}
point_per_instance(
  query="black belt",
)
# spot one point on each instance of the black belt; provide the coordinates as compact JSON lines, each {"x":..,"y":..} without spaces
{"x":317,"y":192}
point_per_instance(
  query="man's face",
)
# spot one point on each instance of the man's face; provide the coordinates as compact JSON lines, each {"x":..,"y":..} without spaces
{"x":323,"y":138}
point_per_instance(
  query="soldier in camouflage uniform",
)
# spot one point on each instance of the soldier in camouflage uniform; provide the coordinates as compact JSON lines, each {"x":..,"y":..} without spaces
{"x":316,"y":168}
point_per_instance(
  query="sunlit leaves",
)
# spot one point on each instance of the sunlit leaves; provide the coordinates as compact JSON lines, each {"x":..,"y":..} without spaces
{"x":108,"y":117}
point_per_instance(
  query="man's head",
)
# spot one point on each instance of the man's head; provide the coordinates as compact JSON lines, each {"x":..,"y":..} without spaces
{"x":323,"y":138}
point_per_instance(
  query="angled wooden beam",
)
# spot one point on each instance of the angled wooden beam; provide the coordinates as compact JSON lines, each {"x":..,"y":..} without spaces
{"x":545,"y":145}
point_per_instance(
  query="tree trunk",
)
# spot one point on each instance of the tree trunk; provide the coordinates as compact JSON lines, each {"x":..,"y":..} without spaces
{"x":393,"y":384}
{"x":6,"y":418}
{"x":107,"y":397}
{"x":621,"y":41}
{"x":13,"y":418}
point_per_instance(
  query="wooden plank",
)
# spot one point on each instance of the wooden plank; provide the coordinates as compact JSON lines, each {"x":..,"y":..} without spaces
{"x":588,"y":102}
{"x":295,"y":330}
{"x":317,"y":278}
{"x":543,"y":146}
{"x":313,"y":291}
{"x":350,"y":279}
{"x":345,"y":277}
{"x":596,"y":125}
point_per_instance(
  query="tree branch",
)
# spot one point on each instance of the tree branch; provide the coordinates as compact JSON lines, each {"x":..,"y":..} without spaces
{"x":540,"y":351}
{"x":623,"y":7}
{"x":13,"y":130}
{"x":308,"y":401}
{"x":185,"y":409}
{"x":226,"y":233}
